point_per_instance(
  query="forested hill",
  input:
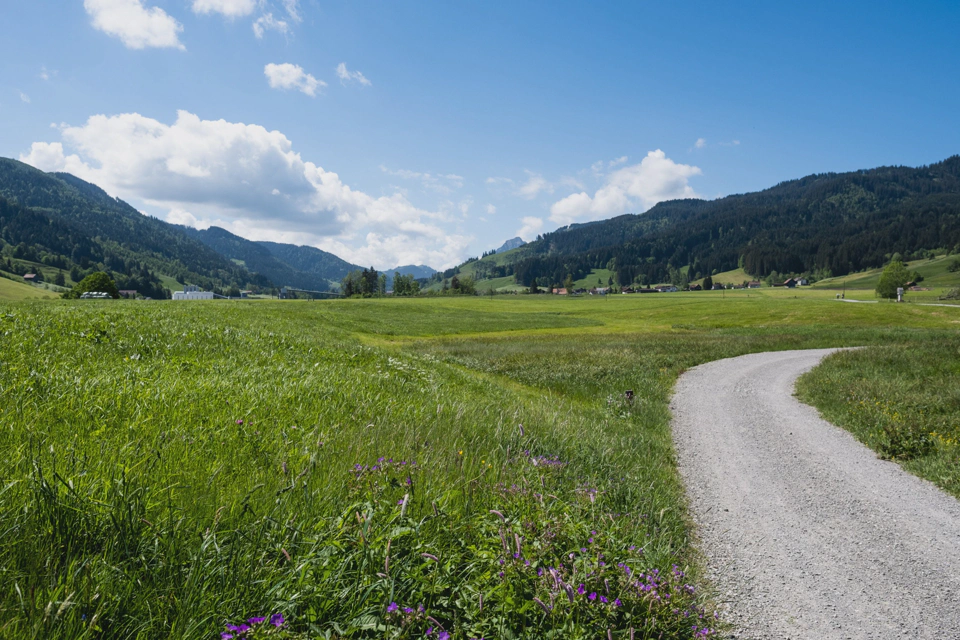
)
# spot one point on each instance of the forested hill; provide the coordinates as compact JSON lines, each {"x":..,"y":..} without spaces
{"x":285,"y":264}
{"x":61,"y":221}
{"x":836,"y":222}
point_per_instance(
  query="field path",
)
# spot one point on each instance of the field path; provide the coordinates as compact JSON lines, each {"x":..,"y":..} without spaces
{"x":807,"y":534}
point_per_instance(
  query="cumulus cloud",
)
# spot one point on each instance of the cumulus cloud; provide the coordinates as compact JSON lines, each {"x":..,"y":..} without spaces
{"x":267,"y":22}
{"x":700,"y":143}
{"x":137,"y":26}
{"x":290,"y":76}
{"x":24,"y":97}
{"x":636,"y":187}
{"x":247,"y":179}
{"x":491,"y":210}
{"x":46,"y":74}
{"x":445,"y":183}
{"x":229,"y":8}
{"x":531,"y":227}
{"x":346,"y":75}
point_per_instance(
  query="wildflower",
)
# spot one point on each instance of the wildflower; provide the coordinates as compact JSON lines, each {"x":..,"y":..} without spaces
{"x":276,"y":619}
{"x":604,"y":600}
{"x":617,"y":603}
{"x":239,"y":628}
{"x":408,"y":610}
{"x":255,"y":620}
{"x":592,"y":596}
{"x":581,"y":589}
{"x":239,"y":421}
{"x":443,"y":635}
{"x":392,"y":607}
{"x":225,"y":636}
{"x":545,"y":608}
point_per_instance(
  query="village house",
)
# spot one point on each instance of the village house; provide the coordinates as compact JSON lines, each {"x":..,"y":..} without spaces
{"x":30,"y":277}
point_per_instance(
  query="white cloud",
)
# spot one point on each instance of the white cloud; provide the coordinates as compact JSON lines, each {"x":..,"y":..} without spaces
{"x":700,"y":143}
{"x":732,"y":143}
{"x":348,"y":76}
{"x":534,"y":185}
{"x":637,"y":187}
{"x":249,"y":180}
{"x":491,"y":210}
{"x":617,"y":161}
{"x":137,"y":26}
{"x":440,"y":183}
{"x":531,"y":227}
{"x":293,"y":9}
{"x":46,"y":74}
{"x":267,"y":22}
{"x":24,"y":97}
{"x":229,"y":8}
{"x":290,"y":76}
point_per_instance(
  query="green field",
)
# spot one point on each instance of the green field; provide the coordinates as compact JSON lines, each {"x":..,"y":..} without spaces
{"x":10,"y":290}
{"x":170,"y":468}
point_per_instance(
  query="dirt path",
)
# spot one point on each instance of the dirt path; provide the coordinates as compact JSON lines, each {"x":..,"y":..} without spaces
{"x":807,"y":533}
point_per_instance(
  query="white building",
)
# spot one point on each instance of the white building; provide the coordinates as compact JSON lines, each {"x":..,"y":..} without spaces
{"x":192,"y":292}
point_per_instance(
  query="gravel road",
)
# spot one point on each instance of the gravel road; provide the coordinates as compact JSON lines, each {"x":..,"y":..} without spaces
{"x":806,"y":532}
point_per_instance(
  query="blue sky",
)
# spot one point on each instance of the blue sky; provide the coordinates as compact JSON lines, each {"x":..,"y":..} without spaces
{"x":427,"y":132}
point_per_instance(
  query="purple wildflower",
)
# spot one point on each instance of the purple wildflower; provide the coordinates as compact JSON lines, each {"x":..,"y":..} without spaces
{"x":617,"y":603}
{"x":239,"y":421}
{"x":255,"y":620}
{"x":593,"y":595}
{"x":276,"y":619}
{"x":239,"y":628}
{"x":393,"y":606}
{"x":443,"y":635}
{"x":604,"y":600}
{"x":581,"y":589}
{"x":225,"y":636}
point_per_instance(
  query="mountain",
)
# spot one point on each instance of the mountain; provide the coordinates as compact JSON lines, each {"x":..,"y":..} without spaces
{"x":512,"y":243}
{"x":286,"y":265}
{"x":832,"y":223}
{"x":61,"y":221}
{"x":418,"y":271}
{"x":321,"y":266}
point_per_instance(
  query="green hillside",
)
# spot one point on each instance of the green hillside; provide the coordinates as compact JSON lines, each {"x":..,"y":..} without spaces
{"x":65,"y":223}
{"x":821,"y":225}
{"x":10,"y":290}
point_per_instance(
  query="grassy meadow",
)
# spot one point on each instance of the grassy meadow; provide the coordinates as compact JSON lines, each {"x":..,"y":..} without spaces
{"x":397,"y":468}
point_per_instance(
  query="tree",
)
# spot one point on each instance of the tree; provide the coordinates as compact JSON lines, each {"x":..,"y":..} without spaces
{"x":59,"y":280}
{"x":533,"y":286}
{"x":568,"y":283}
{"x":98,"y":281}
{"x":707,"y":283}
{"x":894,"y":276}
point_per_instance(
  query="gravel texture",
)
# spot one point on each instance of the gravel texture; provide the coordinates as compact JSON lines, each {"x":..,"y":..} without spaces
{"x":808,"y":534}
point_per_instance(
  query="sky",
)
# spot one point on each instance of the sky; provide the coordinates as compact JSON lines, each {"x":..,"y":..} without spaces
{"x":394,"y":133}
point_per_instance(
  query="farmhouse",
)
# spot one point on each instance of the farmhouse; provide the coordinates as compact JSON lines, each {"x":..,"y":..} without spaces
{"x":753,"y":284}
{"x":667,"y":288}
{"x":128,"y":293}
{"x":30,"y":277}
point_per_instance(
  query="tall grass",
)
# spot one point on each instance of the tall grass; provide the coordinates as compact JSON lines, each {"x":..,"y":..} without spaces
{"x":372,"y":469}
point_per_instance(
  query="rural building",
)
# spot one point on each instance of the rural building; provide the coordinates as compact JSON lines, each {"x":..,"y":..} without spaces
{"x":192,"y":292}
{"x":95,"y":295}
{"x":790,"y":283}
{"x":696,"y":287}
{"x":30,"y":277}
{"x":718,"y":286}
{"x":667,"y":288}
{"x":754,"y":284}
{"x":128,"y":293}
